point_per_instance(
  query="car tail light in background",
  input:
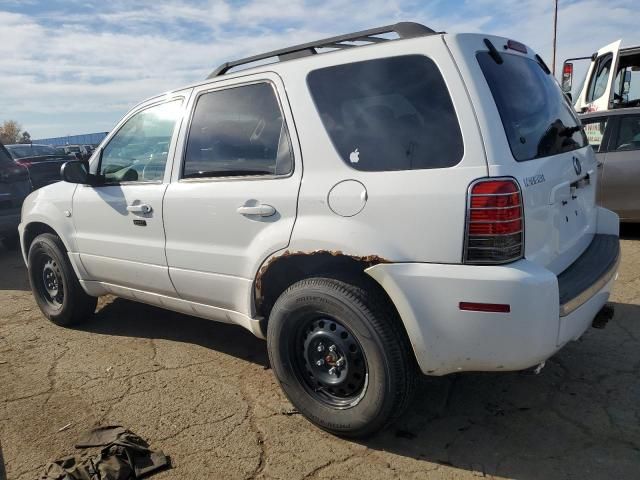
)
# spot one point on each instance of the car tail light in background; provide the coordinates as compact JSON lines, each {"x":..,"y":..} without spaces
{"x":495,"y":222}
{"x":567,"y":77}
{"x":24,"y":163}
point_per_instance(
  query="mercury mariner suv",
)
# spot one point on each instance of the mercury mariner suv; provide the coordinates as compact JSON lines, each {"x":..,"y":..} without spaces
{"x":378,"y":204}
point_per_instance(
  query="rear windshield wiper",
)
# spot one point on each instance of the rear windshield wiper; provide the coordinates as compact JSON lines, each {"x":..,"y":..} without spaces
{"x":569,"y":131}
{"x":493,"y":52}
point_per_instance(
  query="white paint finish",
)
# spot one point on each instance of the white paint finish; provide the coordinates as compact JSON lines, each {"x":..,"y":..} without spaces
{"x":47,"y":205}
{"x":229,"y":292}
{"x":213,"y":250}
{"x":426,"y":208}
{"x":178,"y":305}
{"x":446,"y":339}
{"x":554,"y":234}
{"x":127,"y":273}
{"x":347,"y":198}
{"x":111,"y":246}
{"x":601,"y":103}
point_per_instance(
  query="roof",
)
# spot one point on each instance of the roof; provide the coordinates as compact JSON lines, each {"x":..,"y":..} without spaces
{"x":614,"y":111}
{"x":340,"y":42}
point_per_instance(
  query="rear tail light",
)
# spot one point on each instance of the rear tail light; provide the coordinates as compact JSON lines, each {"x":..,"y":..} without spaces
{"x":24,"y":163}
{"x":495,"y":222}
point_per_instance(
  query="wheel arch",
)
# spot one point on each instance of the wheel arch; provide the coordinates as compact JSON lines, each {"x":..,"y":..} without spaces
{"x":281,"y":271}
{"x":32,"y":230}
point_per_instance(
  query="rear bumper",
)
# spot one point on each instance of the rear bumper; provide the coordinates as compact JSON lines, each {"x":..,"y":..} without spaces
{"x":446,"y":339}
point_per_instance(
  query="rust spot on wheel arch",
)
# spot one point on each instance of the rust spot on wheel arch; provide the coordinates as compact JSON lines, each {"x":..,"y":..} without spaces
{"x":368,"y":260}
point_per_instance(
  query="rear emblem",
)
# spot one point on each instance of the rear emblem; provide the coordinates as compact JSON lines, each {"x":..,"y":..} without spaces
{"x":577,"y":166}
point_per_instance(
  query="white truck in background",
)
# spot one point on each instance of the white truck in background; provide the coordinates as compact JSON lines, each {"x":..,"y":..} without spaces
{"x":600,"y":89}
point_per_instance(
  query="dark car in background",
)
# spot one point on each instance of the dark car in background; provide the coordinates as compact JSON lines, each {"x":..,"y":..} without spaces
{"x":615,"y":137}
{"x":81,"y":152}
{"x":42,"y":161}
{"x":15,"y":185}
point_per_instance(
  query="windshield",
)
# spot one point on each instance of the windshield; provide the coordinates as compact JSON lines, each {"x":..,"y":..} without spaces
{"x":23,"y":151}
{"x":537,"y":118}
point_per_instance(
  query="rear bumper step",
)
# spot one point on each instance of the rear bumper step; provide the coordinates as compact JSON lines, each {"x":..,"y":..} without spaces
{"x":589,"y":273}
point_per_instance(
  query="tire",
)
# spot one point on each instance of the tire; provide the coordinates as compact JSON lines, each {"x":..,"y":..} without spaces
{"x":375,"y":381}
{"x":54,"y":283}
{"x":10,"y":242}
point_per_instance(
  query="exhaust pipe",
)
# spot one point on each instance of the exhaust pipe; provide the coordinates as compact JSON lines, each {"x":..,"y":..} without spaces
{"x":603,"y":316}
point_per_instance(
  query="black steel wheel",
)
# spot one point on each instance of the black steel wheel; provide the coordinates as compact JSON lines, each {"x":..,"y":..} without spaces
{"x":54,"y":283}
{"x":51,"y":284}
{"x":340,"y":355}
{"x":330,"y":362}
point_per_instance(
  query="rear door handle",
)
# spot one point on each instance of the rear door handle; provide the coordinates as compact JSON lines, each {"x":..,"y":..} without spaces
{"x":139,"y":208}
{"x":262,"y":210}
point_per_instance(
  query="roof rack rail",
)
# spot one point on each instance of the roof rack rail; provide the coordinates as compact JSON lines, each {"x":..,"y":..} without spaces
{"x":402,"y":29}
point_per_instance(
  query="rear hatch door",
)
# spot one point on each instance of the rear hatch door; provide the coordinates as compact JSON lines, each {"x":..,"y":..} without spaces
{"x":532,"y":134}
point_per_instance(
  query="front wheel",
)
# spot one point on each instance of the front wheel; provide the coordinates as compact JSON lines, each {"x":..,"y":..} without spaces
{"x":340,"y":356}
{"x":54,"y":283}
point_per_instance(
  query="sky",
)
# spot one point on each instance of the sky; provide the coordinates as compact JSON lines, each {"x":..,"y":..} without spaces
{"x":77,"y":66}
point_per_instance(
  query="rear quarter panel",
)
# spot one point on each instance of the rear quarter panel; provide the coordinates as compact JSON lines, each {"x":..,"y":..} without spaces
{"x":414,"y":215}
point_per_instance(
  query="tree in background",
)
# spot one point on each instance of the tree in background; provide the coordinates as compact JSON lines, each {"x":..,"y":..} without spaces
{"x":10,"y":133}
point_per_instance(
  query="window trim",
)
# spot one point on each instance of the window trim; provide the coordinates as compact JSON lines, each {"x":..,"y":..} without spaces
{"x":222,"y":178}
{"x":592,"y":81}
{"x":349,"y":165}
{"x":123,"y":122}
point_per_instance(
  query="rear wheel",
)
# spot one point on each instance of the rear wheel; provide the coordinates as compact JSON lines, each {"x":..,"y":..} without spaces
{"x":54,"y":283}
{"x":340,"y":356}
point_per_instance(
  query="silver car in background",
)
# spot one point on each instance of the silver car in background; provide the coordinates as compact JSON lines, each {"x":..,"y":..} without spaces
{"x":615,"y":137}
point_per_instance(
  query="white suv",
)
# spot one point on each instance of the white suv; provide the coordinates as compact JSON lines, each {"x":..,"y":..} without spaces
{"x":383,"y":207}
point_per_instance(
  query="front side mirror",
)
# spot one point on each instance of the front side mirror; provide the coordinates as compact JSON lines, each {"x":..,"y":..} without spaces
{"x":75,"y":171}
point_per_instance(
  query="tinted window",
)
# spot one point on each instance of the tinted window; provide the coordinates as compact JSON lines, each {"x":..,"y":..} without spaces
{"x":24,"y":151}
{"x":537,"y":118}
{"x":238,"y":131}
{"x":599,"y":81}
{"x":594,"y":128}
{"x":388,"y":114}
{"x":5,"y":158}
{"x":138,"y":151}
{"x":628,"y":133}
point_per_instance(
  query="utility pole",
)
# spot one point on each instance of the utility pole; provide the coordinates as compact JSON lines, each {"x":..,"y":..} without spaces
{"x":555,"y":36}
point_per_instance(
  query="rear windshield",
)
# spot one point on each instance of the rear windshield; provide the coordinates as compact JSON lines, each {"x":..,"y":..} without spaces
{"x":537,"y":118}
{"x":388,"y":114}
{"x":23,"y":151}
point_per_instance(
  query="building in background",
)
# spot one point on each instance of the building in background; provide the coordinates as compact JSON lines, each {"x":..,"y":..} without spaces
{"x":85,"y":139}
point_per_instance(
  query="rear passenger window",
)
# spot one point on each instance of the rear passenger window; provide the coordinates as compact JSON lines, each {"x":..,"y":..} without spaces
{"x":388,"y":114}
{"x":594,"y":129}
{"x":628,"y":133}
{"x":237,"y":132}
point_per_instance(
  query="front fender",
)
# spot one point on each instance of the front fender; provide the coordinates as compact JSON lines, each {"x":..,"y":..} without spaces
{"x":50,"y":206}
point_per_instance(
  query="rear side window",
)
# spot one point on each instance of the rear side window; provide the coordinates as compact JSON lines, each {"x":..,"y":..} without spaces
{"x":388,"y":114}
{"x":239,"y":131}
{"x":595,"y":128}
{"x":628,"y":133}
{"x":537,"y":118}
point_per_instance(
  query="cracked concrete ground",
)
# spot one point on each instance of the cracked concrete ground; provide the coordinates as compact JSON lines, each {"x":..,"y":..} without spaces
{"x":202,"y":392}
